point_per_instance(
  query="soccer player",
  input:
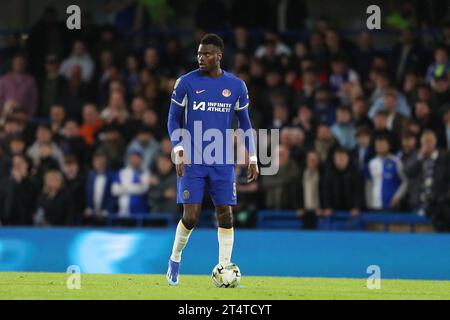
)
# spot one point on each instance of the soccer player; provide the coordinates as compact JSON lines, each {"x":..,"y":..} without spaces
{"x":209,"y":96}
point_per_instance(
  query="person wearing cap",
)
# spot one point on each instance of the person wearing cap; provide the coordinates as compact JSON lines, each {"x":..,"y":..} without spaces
{"x":130,"y":186}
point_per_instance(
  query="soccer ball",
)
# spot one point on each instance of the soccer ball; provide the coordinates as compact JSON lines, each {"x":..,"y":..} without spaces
{"x":226,"y":276}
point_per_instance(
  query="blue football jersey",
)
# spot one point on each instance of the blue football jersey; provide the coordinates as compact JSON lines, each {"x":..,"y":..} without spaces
{"x":209,"y":106}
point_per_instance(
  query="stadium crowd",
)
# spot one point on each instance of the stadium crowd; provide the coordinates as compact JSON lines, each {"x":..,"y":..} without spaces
{"x":83,"y":123}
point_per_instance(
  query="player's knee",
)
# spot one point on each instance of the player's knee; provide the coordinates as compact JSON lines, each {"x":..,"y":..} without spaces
{"x":189,"y":222}
{"x":224,"y":217}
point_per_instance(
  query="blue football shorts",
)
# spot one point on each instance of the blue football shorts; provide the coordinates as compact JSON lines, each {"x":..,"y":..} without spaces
{"x":220,"y":181}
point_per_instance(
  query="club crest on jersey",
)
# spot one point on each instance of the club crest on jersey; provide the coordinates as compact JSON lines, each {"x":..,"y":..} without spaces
{"x":226,"y":93}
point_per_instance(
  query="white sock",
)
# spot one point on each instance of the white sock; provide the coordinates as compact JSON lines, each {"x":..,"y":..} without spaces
{"x":226,"y":239}
{"x":181,"y":238}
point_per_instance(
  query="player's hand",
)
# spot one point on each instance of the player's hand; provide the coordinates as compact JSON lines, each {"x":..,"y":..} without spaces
{"x":179,"y":163}
{"x":300,"y":213}
{"x":253,"y":172}
{"x":395,"y":202}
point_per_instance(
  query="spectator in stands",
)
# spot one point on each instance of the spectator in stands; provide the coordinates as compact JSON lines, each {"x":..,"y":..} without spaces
{"x":406,"y":55}
{"x":57,"y":115}
{"x":116,"y":111}
{"x":111,"y":142}
{"x":75,"y":184}
{"x":440,"y":66}
{"x":340,"y":74}
{"x":381,"y":83}
{"x":359,"y":112}
{"x":81,"y":58}
{"x":18,"y":194}
{"x":18,"y":86}
{"x":139,"y":106}
{"x":281,"y":189}
{"x":44,"y":162}
{"x":44,"y":137}
{"x":428,"y":170}
{"x":148,"y":145}
{"x":54,"y":205}
{"x":391,"y":96}
{"x":388,"y":181}
{"x":72,"y":143}
{"x":311,"y":191}
{"x":337,"y":46}
{"x":323,"y":108}
{"x":425,"y":117}
{"x":280,"y":116}
{"x":395,"y":120}
{"x":344,"y":190}
{"x":305,"y":122}
{"x":51,"y":86}
{"x":363,"y":152}
{"x":99,"y":200}
{"x":381,"y":127}
{"x":163,"y":193}
{"x":131,"y":186}
{"x":365,"y":54}
{"x":343,"y":129}
{"x":91,"y":123}
{"x":17,"y":146}
{"x":324,"y":143}
{"x":151,"y":60}
{"x":132,"y":74}
{"x":440,"y":94}
{"x":272,"y":42}
{"x":75,"y":94}
{"x":408,"y":156}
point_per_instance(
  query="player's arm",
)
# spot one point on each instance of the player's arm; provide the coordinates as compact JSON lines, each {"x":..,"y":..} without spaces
{"x":245,"y":124}
{"x":177,"y":108}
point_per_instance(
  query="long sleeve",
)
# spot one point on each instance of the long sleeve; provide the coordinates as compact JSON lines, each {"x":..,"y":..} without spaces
{"x":245,"y":124}
{"x":241,"y":109}
{"x":177,"y":108}
{"x":173,"y":123}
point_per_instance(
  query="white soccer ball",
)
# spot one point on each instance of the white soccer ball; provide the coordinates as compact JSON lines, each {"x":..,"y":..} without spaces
{"x":226,"y":276}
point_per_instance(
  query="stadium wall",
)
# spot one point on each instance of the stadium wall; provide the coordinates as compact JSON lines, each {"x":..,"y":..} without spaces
{"x":259,"y":252}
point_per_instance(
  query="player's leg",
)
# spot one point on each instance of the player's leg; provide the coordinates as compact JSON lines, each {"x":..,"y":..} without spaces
{"x":191,"y":214}
{"x":225,"y":233}
{"x":190,"y":194}
{"x":222,"y":187}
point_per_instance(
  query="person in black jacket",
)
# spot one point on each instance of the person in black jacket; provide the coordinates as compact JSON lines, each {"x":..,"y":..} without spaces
{"x":342,"y":183}
{"x":55,"y":206}
{"x":75,"y":182}
{"x":311,"y":195}
{"x":18,"y":194}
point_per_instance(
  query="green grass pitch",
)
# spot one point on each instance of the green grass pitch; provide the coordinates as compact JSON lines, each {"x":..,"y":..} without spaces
{"x":15,"y":285}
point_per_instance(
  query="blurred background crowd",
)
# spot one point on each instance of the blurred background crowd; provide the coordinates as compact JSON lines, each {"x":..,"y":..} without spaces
{"x":364,"y":125}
